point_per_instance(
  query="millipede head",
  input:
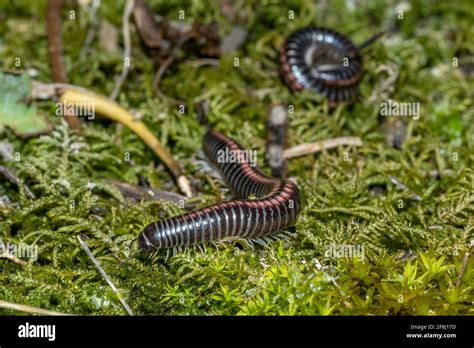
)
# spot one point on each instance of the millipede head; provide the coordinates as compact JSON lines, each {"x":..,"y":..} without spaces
{"x":143,"y":240}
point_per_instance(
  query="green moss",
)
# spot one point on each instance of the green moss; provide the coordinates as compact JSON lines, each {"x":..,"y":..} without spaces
{"x":414,"y":249}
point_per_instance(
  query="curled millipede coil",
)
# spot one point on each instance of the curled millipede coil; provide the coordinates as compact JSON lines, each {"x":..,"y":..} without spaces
{"x":324,"y":61}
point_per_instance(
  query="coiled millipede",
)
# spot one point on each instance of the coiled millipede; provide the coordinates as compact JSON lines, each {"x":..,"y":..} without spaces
{"x":322,"y":60}
{"x":276,"y":208}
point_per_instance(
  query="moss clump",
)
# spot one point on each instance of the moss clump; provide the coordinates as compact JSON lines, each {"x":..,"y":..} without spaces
{"x":414,"y":248}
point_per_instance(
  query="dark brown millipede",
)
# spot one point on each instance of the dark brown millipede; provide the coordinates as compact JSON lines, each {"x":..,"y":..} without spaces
{"x":322,"y":60}
{"x":276,"y":207}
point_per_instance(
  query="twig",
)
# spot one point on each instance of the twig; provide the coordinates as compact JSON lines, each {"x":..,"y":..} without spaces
{"x":115,"y":112}
{"x":94,"y":23}
{"x":29,"y":309}
{"x":44,"y":91}
{"x":53,"y":22}
{"x":136,"y":193}
{"x":203,"y":62}
{"x":13,"y":258}
{"x":106,"y":277}
{"x":161,"y":70}
{"x":53,"y":17}
{"x":16,"y":181}
{"x":463,"y":269}
{"x":404,"y":187}
{"x":157,"y":79}
{"x":317,"y":146}
{"x":127,"y":48}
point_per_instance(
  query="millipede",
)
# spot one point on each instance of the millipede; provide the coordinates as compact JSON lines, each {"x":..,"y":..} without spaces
{"x":324,"y":61}
{"x":276,"y":206}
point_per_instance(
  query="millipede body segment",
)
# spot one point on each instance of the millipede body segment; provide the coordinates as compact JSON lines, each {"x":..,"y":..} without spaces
{"x":276,"y":207}
{"x":322,"y":60}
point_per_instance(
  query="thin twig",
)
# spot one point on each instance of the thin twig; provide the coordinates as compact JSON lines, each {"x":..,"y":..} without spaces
{"x":305,"y":149}
{"x":127,"y":48}
{"x":463,"y":269}
{"x":16,"y":181}
{"x":137,"y":193}
{"x":53,"y":22}
{"x":106,"y":277}
{"x":157,"y":79}
{"x":203,"y":62}
{"x":163,"y":67}
{"x":13,"y":258}
{"x":404,"y":187}
{"x":94,"y":23}
{"x":29,"y":309}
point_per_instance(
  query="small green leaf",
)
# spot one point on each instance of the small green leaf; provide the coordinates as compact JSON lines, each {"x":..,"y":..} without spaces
{"x":14,"y":113}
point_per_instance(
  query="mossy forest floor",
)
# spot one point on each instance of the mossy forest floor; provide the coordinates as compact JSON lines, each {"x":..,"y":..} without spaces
{"x":414,"y":247}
